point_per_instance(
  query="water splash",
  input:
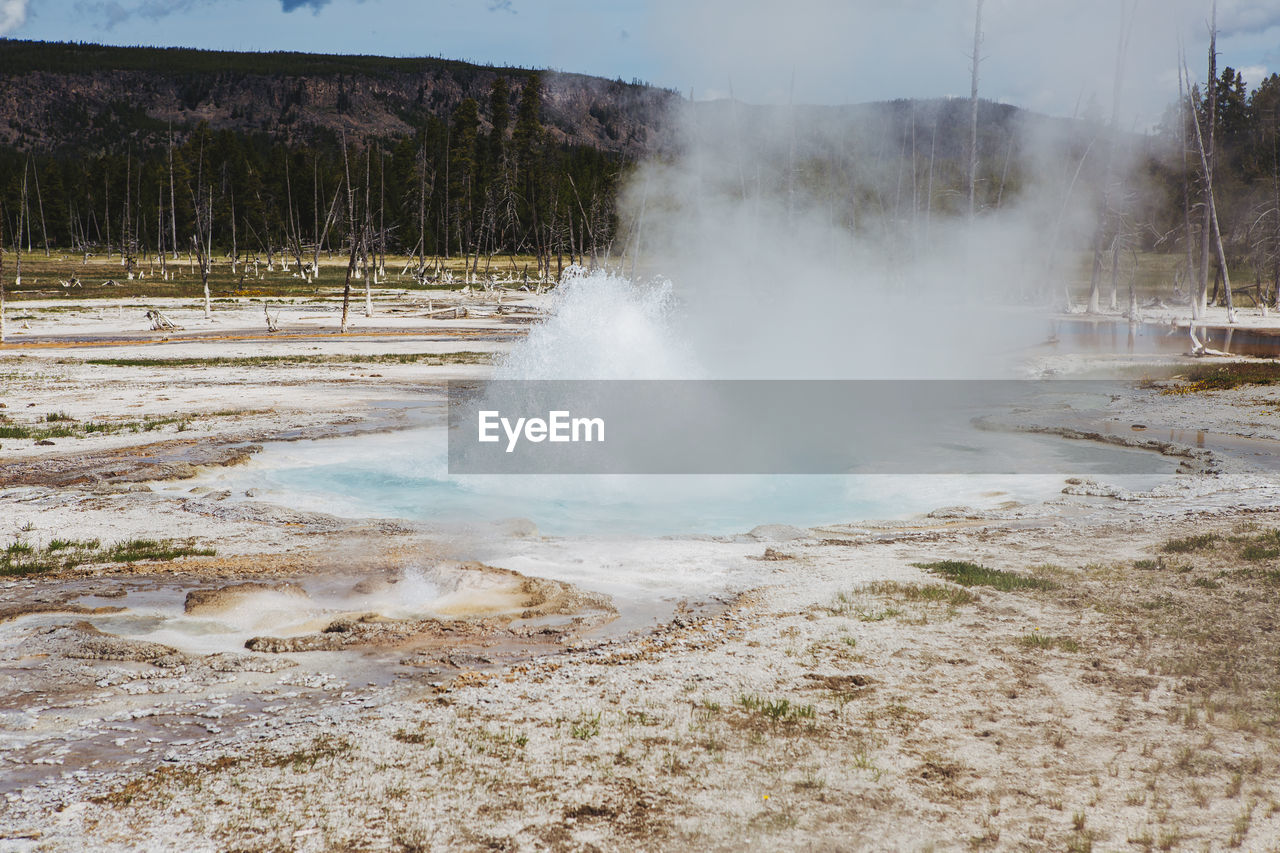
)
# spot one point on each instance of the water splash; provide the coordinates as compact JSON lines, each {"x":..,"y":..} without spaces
{"x":604,"y":326}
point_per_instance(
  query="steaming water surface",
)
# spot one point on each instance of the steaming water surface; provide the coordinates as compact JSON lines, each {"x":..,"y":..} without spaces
{"x":602,"y":326}
{"x":404,"y":475}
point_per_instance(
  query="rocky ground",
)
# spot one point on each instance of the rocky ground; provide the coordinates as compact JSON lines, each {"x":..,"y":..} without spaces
{"x":1097,"y":671}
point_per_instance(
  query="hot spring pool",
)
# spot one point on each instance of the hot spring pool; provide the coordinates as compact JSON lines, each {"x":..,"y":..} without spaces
{"x":404,"y":475}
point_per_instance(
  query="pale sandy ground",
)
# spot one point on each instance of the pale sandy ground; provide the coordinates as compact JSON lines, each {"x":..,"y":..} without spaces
{"x":1131,"y":707}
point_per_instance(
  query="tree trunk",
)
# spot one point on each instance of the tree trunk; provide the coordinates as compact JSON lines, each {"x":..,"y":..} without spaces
{"x":973,"y":109}
{"x":351,"y":217}
{"x":1115,"y":271}
{"x":1192,"y":290}
{"x":2,"y":287}
{"x":1206,"y":160}
{"x":17,"y":240}
{"x":173,"y":205}
{"x":44,"y":233}
{"x":1095,"y":279}
{"x":1110,"y":214}
{"x":235,"y":249}
{"x":164,"y":266}
{"x":1211,"y":212}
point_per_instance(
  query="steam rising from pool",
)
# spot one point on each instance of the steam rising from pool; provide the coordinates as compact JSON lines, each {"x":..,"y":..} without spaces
{"x":603,"y":326}
{"x":732,"y":269}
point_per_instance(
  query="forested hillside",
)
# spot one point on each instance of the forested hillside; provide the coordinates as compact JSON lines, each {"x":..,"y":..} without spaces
{"x":91,"y":98}
{"x":133,"y":151}
{"x":119,"y":146}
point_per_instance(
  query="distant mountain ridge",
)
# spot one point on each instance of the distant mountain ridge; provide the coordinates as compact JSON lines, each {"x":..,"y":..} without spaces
{"x":61,"y":97}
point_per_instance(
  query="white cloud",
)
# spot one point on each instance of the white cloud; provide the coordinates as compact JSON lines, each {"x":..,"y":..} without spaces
{"x":1247,"y":16}
{"x":1253,"y":75}
{"x":13,"y":14}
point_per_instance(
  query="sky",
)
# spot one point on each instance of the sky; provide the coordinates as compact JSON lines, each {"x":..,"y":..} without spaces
{"x":1053,"y":56}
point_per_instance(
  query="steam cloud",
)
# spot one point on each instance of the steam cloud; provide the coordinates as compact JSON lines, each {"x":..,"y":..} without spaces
{"x":800,"y":243}
{"x":773,"y":280}
{"x":1048,"y":55}
{"x":13,"y":14}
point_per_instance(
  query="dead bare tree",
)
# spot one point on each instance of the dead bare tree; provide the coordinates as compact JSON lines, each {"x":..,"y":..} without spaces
{"x":173,"y":205}
{"x":1210,"y":227}
{"x":44,"y":232}
{"x":2,"y":287}
{"x":382,"y":214}
{"x":973,"y":107}
{"x":355,"y":243}
{"x":200,"y":242}
{"x":1211,"y":209}
{"x":422,"y":209}
{"x":330,"y":218}
{"x":365,"y":227}
{"x":17,"y":238}
{"x":295,"y":235}
{"x":126,"y":239}
{"x":235,"y":249}
{"x":639,"y":227}
{"x":1197,"y":309}
{"x":164,"y":265}
{"x":1110,"y":218}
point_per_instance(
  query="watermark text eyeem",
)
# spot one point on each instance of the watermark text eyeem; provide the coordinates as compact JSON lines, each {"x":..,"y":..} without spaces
{"x":556,"y":427}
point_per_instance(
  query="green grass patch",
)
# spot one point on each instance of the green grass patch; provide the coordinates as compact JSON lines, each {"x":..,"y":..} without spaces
{"x":22,"y":558}
{"x":777,"y":710}
{"x":1255,"y":551}
{"x":1048,"y":642}
{"x":973,"y":574}
{"x":1222,"y":377}
{"x":64,"y":544}
{"x":928,"y":593}
{"x":134,"y":550}
{"x":36,"y":433}
{"x":587,"y":727}
{"x":1190,"y":543}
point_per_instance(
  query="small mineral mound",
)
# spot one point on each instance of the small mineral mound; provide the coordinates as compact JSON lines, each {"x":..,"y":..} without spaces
{"x":88,"y":643}
{"x":221,"y":599}
{"x":10,"y":612}
{"x":476,"y":601}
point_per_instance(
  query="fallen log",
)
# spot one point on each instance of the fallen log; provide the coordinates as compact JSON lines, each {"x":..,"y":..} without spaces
{"x":161,"y":323}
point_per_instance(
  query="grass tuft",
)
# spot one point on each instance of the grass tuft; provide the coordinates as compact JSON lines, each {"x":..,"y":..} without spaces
{"x":928,"y":593}
{"x":972,"y":574}
{"x":587,"y":726}
{"x":1048,"y":642}
{"x":1190,"y":543}
{"x":22,"y":558}
{"x":1224,"y":377}
{"x":777,"y":710}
